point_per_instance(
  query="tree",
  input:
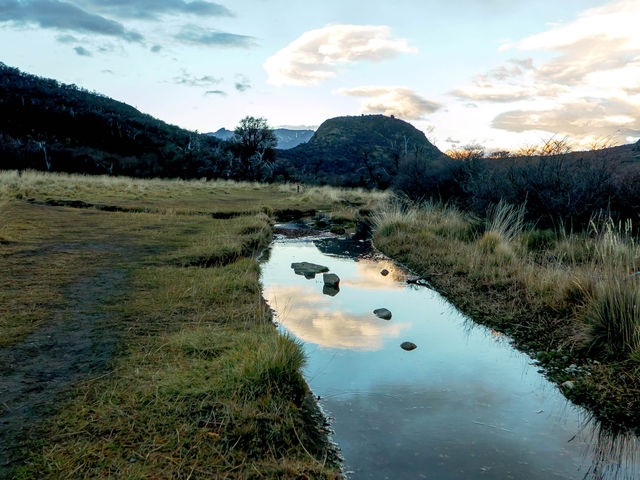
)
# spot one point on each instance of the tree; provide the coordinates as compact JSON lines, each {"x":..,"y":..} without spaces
{"x":255,"y":142}
{"x":468,"y":152}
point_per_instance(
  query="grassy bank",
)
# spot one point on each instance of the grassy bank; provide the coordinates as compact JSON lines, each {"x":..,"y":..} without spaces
{"x":570,"y":300}
{"x":195,"y":382}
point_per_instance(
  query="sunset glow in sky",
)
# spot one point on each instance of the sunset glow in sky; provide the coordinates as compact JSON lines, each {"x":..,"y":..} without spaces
{"x":503,"y":73}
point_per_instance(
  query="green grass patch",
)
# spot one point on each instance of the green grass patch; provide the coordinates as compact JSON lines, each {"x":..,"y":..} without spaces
{"x":200,"y":384}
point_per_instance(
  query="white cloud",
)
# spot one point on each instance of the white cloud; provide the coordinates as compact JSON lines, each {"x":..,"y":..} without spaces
{"x":317,"y":55}
{"x":613,"y":20}
{"x":584,"y":119}
{"x":593,"y":77}
{"x":399,"y":101}
{"x":505,"y":93}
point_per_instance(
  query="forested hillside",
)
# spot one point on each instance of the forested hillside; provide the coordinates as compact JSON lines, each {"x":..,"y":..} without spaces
{"x":47,"y":125}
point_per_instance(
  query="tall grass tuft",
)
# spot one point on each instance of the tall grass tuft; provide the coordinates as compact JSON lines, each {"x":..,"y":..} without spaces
{"x":393,"y":216}
{"x":505,"y":220}
{"x":614,"y":315}
{"x":503,"y":224}
{"x":615,"y":246}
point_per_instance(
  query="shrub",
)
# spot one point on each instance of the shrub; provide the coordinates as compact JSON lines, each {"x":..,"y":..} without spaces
{"x":540,"y":240}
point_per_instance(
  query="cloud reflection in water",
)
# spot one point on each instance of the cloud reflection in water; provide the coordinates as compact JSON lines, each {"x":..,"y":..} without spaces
{"x":309,"y":315}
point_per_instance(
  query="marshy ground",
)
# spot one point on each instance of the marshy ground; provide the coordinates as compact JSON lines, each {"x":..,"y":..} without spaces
{"x":134,"y":338}
{"x":135,"y":341}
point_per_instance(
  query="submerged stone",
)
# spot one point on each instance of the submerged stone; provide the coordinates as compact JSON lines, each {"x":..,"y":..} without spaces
{"x":408,"y":346}
{"x":331,"y":280}
{"x":309,"y":270}
{"x":383,"y":313}
{"x":331,"y":291}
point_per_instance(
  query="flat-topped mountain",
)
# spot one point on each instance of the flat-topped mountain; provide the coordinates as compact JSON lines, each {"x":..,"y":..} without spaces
{"x":365,"y":150}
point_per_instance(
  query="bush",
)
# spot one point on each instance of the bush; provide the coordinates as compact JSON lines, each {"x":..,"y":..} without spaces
{"x":540,"y":240}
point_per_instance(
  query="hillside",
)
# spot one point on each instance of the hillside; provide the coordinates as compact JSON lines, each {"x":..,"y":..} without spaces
{"x":365,"y":150}
{"x":287,"y":138}
{"x":47,"y":125}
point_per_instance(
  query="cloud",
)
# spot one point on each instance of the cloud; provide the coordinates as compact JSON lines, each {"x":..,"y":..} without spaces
{"x":83,"y":52}
{"x":216,"y":92}
{"x":156,"y":48}
{"x":192,"y":81}
{"x":399,"y":101}
{"x":591,"y":72}
{"x":317,"y":55}
{"x":62,"y":16}
{"x":587,"y":56}
{"x":151,"y":9}
{"x":242,"y":83}
{"x":524,"y":63}
{"x":601,"y":40}
{"x":308,"y":315}
{"x":591,"y":117}
{"x":213,"y":38}
{"x":504,"y":93}
{"x":66,"y":39}
{"x":613,"y":20}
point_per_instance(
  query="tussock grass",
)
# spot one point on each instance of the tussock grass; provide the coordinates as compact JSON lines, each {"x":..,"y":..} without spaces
{"x":567,"y":295}
{"x":614,"y":315}
{"x":507,"y":221}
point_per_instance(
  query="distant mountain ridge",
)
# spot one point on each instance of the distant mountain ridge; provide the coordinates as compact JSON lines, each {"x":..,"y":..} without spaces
{"x":356,"y":150}
{"x":287,"y":138}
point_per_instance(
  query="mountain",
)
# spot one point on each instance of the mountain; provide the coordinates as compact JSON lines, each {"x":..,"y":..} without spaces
{"x":222,"y":134}
{"x":365,"y":150}
{"x":287,"y":138}
{"x":47,"y":125}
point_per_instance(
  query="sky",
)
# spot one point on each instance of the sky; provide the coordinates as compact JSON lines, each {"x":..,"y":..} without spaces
{"x":499,"y":73}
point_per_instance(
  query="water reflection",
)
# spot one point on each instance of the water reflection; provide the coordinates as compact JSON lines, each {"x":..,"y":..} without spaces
{"x":309,"y":316}
{"x":463,"y":405}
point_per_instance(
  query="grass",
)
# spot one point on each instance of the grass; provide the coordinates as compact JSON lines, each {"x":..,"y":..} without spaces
{"x":200,"y":385}
{"x":179,"y":196}
{"x":564,"y":297}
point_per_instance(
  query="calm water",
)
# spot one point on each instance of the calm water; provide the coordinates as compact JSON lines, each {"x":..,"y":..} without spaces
{"x":463,"y":405}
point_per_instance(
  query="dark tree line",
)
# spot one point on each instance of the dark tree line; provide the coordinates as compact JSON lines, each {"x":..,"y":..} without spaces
{"x":555,"y":187}
{"x":46,"y":125}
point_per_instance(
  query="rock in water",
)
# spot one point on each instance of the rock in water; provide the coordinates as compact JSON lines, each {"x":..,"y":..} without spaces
{"x":384,"y":272}
{"x":309,"y":270}
{"x":331,"y":291}
{"x":331,"y":280}
{"x":383,"y":313}
{"x":408,"y":346}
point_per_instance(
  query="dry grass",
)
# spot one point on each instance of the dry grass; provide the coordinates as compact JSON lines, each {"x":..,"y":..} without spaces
{"x":568,"y":295}
{"x":178,"y":196}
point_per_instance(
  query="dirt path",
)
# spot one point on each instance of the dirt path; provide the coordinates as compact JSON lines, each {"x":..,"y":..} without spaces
{"x":37,"y":372}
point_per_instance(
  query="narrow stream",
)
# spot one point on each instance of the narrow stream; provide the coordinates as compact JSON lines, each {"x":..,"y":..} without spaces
{"x":465,"y":404}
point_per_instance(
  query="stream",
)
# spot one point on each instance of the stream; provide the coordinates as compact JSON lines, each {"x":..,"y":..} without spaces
{"x":465,"y":404}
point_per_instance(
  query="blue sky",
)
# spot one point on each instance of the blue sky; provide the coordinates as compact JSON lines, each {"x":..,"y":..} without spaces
{"x":496,"y":72}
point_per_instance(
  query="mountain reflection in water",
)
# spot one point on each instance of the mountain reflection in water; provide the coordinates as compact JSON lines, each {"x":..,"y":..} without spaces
{"x":463,"y":405}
